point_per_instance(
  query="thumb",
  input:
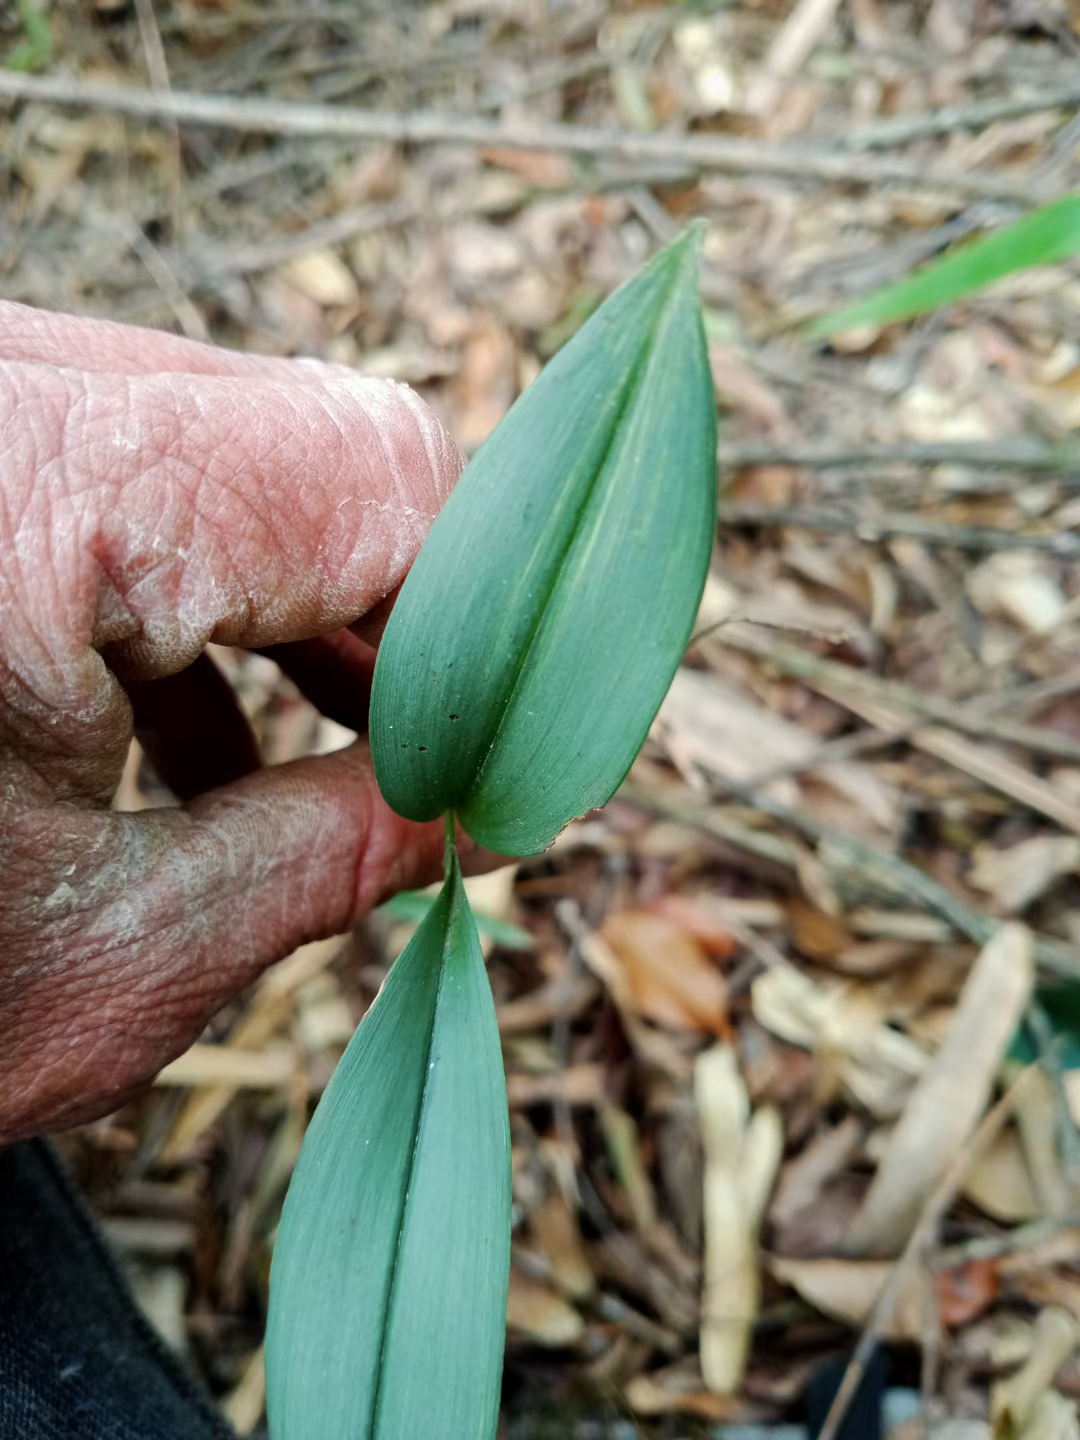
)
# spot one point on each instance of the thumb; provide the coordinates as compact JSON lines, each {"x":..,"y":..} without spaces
{"x":141,"y":926}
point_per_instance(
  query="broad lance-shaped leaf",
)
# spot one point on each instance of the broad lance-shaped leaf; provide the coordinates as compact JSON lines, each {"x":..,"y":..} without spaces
{"x":388,"y":1288}
{"x":539,"y":629}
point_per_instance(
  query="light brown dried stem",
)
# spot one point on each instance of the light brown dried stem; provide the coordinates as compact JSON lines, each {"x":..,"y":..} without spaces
{"x":874,"y":530}
{"x":734,"y":154}
{"x":917,"y":1249}
{"x":1032,"y":456}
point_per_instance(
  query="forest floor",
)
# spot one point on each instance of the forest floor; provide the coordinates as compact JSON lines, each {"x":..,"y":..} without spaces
{"x":787,"y":929}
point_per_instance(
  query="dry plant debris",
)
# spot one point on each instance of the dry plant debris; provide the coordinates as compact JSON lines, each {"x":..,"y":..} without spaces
{"x":754,"y":1045}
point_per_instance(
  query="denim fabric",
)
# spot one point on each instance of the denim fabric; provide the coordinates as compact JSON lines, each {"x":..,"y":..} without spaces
{"x":77,"y":1360}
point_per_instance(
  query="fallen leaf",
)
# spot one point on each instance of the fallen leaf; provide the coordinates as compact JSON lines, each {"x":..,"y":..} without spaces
{"x":555,"y":1226}
{"x":965,"y":1291}
{"x":742,"y":1155}
{"x":999,"y":1183}
{"x":876,"y":1063}
{"x":322,"y":276}
{"x":848,"y":1290}
{"x":541,"y":1314}
{"x":947,"y":1102}
{"x":668,"y":976}
{"x":1019,"y":874}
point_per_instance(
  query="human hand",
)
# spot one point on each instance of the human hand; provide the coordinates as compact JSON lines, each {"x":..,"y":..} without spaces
{"x":157,"y":495}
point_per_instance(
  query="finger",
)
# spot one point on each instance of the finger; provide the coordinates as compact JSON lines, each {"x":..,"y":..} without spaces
{"x":151,"y":514}
{"x":103,"y":346}
{"x":333,"y":671}
{"x":135,"y":929}
{"x":192,"y":729}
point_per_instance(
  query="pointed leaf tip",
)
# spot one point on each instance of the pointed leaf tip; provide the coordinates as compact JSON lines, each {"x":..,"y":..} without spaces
{"x":540,"y":627}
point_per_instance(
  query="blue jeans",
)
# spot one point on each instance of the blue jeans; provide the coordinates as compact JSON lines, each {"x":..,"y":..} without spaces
{"x":77,"y":1360}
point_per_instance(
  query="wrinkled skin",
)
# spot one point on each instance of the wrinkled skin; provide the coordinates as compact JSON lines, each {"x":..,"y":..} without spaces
{"x":156,"y":495}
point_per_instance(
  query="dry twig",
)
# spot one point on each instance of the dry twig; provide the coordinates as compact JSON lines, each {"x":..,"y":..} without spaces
{"x":734,"y":154}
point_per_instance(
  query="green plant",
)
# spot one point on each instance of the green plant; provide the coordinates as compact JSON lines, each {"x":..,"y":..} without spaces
{"x":36,"y":50}
{"x":524,"y":661}
{"x":1045,"y":237}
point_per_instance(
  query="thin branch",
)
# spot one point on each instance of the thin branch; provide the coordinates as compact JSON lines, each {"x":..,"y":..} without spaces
{"x":733,"y":154}
{"x":1019,"y":454}
{"x":925,"y":124}
{"x":871,"y":531}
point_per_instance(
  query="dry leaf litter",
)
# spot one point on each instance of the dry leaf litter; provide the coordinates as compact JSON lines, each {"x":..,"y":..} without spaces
{"x":758,"y":1022}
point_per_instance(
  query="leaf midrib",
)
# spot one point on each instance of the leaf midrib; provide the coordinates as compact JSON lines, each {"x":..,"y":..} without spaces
{"x":376,"y":1401}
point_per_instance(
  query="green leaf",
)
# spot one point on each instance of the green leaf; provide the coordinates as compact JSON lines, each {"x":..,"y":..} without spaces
{"x":411,"y":906}
{"x":388,"y":1288}
{"x":1059,"y":1002}
{"x":35,"y":52}
{"x":539,"y":629}
{"x":1045,"y":237}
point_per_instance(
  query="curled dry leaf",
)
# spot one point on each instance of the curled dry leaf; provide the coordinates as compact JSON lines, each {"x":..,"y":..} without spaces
{"x":877,"y":1064}
{"x":742,"y":1155}
{"x":945,"y":1106}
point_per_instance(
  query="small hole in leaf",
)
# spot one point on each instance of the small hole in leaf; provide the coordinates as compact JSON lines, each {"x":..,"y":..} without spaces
{"x":453,"y":717}
{"x":421,"y":747}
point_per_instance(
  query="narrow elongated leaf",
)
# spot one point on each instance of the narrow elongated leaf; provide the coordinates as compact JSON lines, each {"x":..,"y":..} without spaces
{"x":1045,"y":237}
{"x":540,"y":627}
{"x":388,"y":1288}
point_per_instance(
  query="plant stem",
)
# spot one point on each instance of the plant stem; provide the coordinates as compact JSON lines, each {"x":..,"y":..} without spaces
{"x":451,"y":842}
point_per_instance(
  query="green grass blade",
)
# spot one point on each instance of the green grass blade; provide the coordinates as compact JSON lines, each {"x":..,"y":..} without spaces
{"x":540,"y":627}
{"x":409,"y":907}
{"x":388,"y":1288}
{"x":1046,"y":237}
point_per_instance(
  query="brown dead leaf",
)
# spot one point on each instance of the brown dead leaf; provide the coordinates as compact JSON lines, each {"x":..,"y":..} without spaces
{"x":965,"y":1291}
{"x":484,"y":386}
{"x":999,"y":1182}
{"x":673,"y":1393}
{"x":541,"y":1314}
{"x":1017,"y":876}
{"x":555,"y":1227}
{"x":668,"y":976}
{"x":323,"y":277}
{"x":545,"y":171}
{"x":699,"y":918}
{"x":816,"y":935}
{"x":848,"y":1290}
